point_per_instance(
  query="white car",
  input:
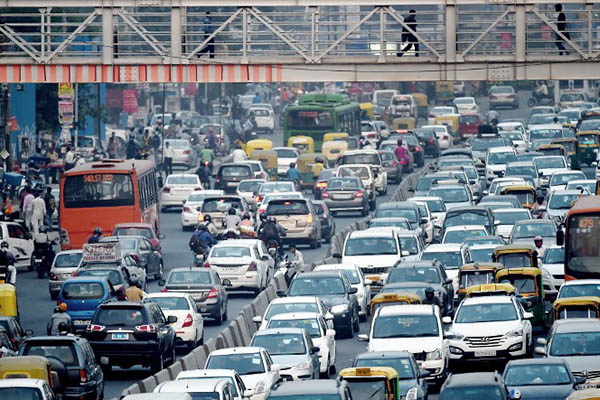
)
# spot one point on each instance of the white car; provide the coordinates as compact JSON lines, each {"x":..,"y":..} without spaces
{"x":291,"y":304}
{"x":457,"y":234}
{"x":357,"y":280}
{"x":490,"y":327}
{"x":369,"y":131}
{"x":245,"y":262}
{"x":560,"y":202}
{"x":519,"y":140}
{"x":258,"y":169}
{"x":285,"y":156}
{"x":426,"y":214}
{"x":505,"y":219}
{"x":199,"y":389}
{"x":273,"y":187}
{"x":436,"y":206}
{"x":375,"y":250}
{"x":276,"y":196}
{"x":580,"y":288}
{"x":403,"y":106}
{"x":493,"y":187}
{"x":559,"y":180}
{"x":247,"y":188}
{"x":415,"y":328}
{"x":443,"y":136}
{"x":239,"y":389}
{"x":496,"y":160}
{"x":265,"y":119}
{"x":19,"y":243}
{"x":553,"y":263}
{"x":177,"y":189}
{"x":189,"y":328}
{"x":253,"y":364}
{"x":193,"y":204}
{"x":548,"y":165}
{"x":440,"y":111}
{"x":589,"y":184}
{"x":321,"y":335}
{"x":451,"y":255}
{"x":466,"y":105}
{"x":183,"y":152}
{"x":23,"y":388}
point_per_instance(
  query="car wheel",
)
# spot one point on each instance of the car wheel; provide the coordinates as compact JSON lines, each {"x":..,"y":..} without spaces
{"x":225,"y":312}
{"x":373,"y":205}
{"x":158,"y":364}
{"x":398,"y":179}
{"x":219,"y":317}
{"x":364,"y":211}
{"x":313,"y":244}
{"x":349,"y":332}
{"x":161,"y":271}
{"x":362,"y":318}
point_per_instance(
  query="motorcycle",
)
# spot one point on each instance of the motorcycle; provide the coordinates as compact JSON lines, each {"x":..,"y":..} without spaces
{"x":200,"y":259}
{"x":540,"y":101}
{"x":42,"y":258}
{"x":229,"y":234}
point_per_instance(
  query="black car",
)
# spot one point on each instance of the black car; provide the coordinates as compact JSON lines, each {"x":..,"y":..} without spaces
{"x":229,"y":175}
{"x":415,"y":148}
{"x":429,"y":141}
{"x":72,"y":359}
{"x":411,"y":379}
{"x":321,"y":182}
{"x":205,"y":286}
{"x":330,"y":389}
{"x":327,"y":221}
{"x":15,"y":332}
{"x":334,"y":289}
{"x":477,"y":385}
{"x":128,"y":333}
{"x":431,"y":273}
{"x":391,"y":166}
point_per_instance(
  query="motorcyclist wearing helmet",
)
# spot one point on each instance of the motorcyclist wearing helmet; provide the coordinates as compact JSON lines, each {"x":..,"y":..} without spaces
{"x":539,"y":206}
{"x":270,"y":230}
{"x":59,"y":317}
{"x":8,"y":272}
{"x":292,"y":174}
{"x":232,"y":220}
{"x":135,"y":292}
{"x":247,"y":226}
{"x":431,"y":298}
{"x":212,"y":229}
{"x":201,"y":240}
{"x":539,"y":246}
{"x":95,"y":238}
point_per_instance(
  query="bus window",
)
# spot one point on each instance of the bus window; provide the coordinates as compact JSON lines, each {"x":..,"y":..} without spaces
{"x":98,"y":190}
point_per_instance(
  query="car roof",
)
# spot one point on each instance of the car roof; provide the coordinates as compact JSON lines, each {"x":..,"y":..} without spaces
{"x":501,"y":149}
{"x":332,"y":273}
{"x":535,"y":221}
{"x":570,"y":191}
{"x":236,"y":350}
{"x":325,"y":267}
{"x":200,"y":373}
{"x":295,"y":315}
{"x":383,"y":354}
{"x":441,"y":247}
{"x":425,"y":198}
{"x":538,"y":361}
{"x":396,"y":204}
{"x":406,"y":309}
{"x":517,"y":164}
{"x":87,"y":279}
{"x":577,"y":325}
{"x":191,"y":385}
{"x":382,"y":231}
{"x":308,"y":387}
{"x":132,"y":225}
{"x":464,"y":228}
{"x":295,"y":299}
{"x":510,"y":210}
{"x":487,"y":300}
{"x":166,"y":294}
{"x":468,"y":379}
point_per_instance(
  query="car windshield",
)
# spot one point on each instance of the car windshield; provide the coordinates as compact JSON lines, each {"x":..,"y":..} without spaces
{"x":474,"y":393}
{"x":513,"y":135}
{"x":286,"y":153}
{"x":183,"y":180}
{"x":522,"y":284}
{"x":474,"y":240}
{"x":482,"y":255}
{"x":374,"y":388}
{"x":527,"y":170}
{"x":449,"y":259}
{"x":403,"y":366}
{"x":550,"y":162}
{"x":220,"y":204}
{"x":189,"y":277}
{"x":562,"y":201}
{"x":133,"y":231}
{"x":510,"y":217}
{"x":317,"y":286}
{"x":170,"y":303}
{"x":281,"y":343}
{"x":502,"y":90}
{"x":249,"y":186}
{"x":287,"y":207}
{"x":467,"y":218}
{"x":575,"y":344}
{"x":21,"y":393}
{"x":402,"y":223}
{"x":486,"y":312}
{"x":362,"y":158}
{"x":277,"y":187}
{"x":485,"y":144}
{"x":588,"y":139}
{"x":65,"y":352}
{"x":450,"y":195}
{"x":554,"y":255}
{"x":435,"y":205}
{"x":82,"y":291}
{"x":541,"y":119}
{"x":351,"y":274}
{"x":113,"y":276}
{"x":395,"y":326}
{"x":461,"y":235}
{"x":310,"y":324}
{"x":424,"y":183}
{"x":501,"y":157}
{"x":537,"y":374}
{"x":235,"y":171}
{"x":472,"y":278}
{"x":572,"y":97}
{"x":589,"y":185}
{"x":545,"y":134}
{"x":415,"y":274}
{"x":580,"y":290}
{"x":230,"y":251}
{"x":119,"y":316}
{"x":360,"y":172}
{"x":243,"y":364}
{"x":67,"y":260}
{"x":526,"y":230}
{"x":370,"y":246}
{"x":178,"y":144}
{"x":418,"y":290}
{"x":590,"y":125}
{"x":442,"y":111}
{"x":128,"y":244}
{"x":409,"y":244}
{"x":563,"y":179}
{"x":282,"y":308}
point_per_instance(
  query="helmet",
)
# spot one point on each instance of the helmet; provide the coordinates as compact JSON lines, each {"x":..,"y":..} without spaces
{"x":292,"y":165}
{"x":245,"y":216}
{"x":231,"y":211}
{"x":202,"y":227}
{"x":4,"y":244}
{"x":539,"y":198}
{"x":97,"y":231}
{"x":207,"y":218}
{"x":62,"y":307}
{"x":399,"y":142}
{"x":63,"y":327}
{"x":131,"y":136}
{"x":429,"y":291}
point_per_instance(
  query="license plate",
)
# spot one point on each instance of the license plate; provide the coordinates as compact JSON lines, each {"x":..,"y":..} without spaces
{"x":82,"y":322}
{"x":120,"y":336}
{"x":231,"y":183}
{"x":344,"y":196}
{"x":485,"y":353}
{"x":38,"y":260}
{"x":587,"y":386}
{"x":229,"y":269}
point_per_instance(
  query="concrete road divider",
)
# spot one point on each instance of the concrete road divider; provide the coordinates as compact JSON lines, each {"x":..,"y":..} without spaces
{"x":174,"y":370}
{"x":188,"y":362}
{"x":148,"y":384}
{"x":162,"y":376}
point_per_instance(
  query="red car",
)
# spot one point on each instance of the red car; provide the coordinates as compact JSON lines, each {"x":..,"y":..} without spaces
{"x":468,"y":125}
{"x":138,"y":229}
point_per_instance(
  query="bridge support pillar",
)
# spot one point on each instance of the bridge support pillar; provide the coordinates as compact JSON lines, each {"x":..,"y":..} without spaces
{"x":520,"y":32}
{"x":450,"y":33}
{"x":176,"y":35}
{"x":107,"y":35}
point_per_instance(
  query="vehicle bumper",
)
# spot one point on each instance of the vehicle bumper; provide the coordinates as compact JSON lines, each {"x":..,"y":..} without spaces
{"x":342,"y":320}
{"x":436,"y":368}
{"x":185,"y":335}
{"x":296,"y":374}
{"x":173,"y":200}
{"x":349,"y":205}
{"x":209,"y":309}
{"x":189,"y":219}
{"x":126,"y":353}
{"x":510,"y":348}
{"x":248,"y":280}
{"x":304,"y":236}
{"x":78,"y":392}
{"x":54,"y":286}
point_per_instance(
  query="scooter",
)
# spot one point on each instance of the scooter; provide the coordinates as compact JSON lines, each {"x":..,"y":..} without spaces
{"x":42,"y":260}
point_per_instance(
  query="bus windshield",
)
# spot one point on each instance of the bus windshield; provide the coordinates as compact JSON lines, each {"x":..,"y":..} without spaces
{"x":98,"y":190}
{"x":583,"y":253}
{"x":310,"y":119}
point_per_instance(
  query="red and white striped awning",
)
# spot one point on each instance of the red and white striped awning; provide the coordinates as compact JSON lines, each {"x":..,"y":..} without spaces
{"x":157,"y":73}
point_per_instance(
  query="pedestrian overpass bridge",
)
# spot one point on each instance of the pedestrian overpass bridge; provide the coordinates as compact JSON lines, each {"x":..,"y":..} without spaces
{"x":294,"y":40}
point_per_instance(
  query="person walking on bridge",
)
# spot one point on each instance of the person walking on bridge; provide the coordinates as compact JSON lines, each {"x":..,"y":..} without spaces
{"x":562,"y":28}
{"x":408,"y":36}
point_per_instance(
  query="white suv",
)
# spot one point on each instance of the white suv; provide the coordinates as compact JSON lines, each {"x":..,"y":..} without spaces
{"x":496,"y":160}
{"x":415,"y":328}
{"x":490,"y":327}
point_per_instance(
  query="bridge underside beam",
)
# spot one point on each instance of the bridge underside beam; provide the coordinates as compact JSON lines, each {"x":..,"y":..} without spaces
{"x":232,"y":73}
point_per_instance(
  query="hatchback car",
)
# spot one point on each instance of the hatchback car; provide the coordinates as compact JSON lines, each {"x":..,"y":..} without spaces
{"x":63,"y":267}
{"x":215,"y":388}
{"x":346,"y":194}
{"x":183,"y":152}
{"x":475,"y":386}
{"x":193,"y":205}
{"x":177,"y":189}
{"x":247,"y":188}
{"x":239,"y":389}
{"x":329,"y":389}
{"x":366,"y":175}
{"x":229,"y":175}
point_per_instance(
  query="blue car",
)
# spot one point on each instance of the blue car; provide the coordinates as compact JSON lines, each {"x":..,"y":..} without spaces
{"x":82,"y":295}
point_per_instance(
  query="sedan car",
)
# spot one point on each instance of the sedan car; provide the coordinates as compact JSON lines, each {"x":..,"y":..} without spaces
{"x":346,"y":194}
{"x":183,"y":152}
{"x":193,"y":205}
{"x":326,"y":218}
{"x":391,"y":165}
{"x":559,"y":180}
{"x":149,"y":259}
{"x":63,"y":267}
{"x":503,"y":96}
{"x":466,"y":105}
{"x":289,"y":304}
{"x":285,"y":156}
{"x":177,"y":189}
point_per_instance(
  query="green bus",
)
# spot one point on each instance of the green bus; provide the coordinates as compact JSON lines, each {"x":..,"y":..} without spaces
{"x":321,"y":113}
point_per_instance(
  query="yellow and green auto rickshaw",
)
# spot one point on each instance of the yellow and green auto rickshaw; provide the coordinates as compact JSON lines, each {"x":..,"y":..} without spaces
{"x":366,"y":111}
{"x":333,"y":149}
{"x":304,"y":165}
{"x":491,"y":289}
{"x":382,"y":299}
{"x":372,"y":382}
{"x":404,"y":123}
{"x":304,"y":144}
{"x":516,"y":256}
{"x":530,"y":289}
{"x":268,"y":159}
{"x":451,"y":121}
{"x":328,"y":137}
{"x":570,"y":145}
{"x":587,"y":148}
{"x":474,"y":274}
{"x":576,"y":307}
{"x":444,"y":92}
{"x":552,"y":149}
{"x":9,"y":307}
{"x":258,"y":144}
{"x":525,"y":194}
{"x":29,"y":367}
{"x":422,"y":104}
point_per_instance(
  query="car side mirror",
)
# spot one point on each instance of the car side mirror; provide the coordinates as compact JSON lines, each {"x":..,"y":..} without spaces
{"x":514,"y":394}
{"x":315,"y":350}
{"x":257,"y":319}
{"x":171,"y":319}
{"x":448,"y":282}
{"x":336,"y":255}
{"x":447,"y":320}
{"x":329,"y":317}
{"x":423,"y":373}
{"x":352,"y":290}
{"x":264,"y":257}
{"x":527,"y":315}
{"x":424,"y":221}
{"x":281,"y":293}
{"x":496,"y":223}
{"x":579,"y":380}
{"x":248,"y":393}
{"x":28,"y":332}
{"x":275,"y":368}
{"x":485,"y":192}
{"x":542,"y":341}
{"x":405,"y":253}
{"x":560,"y":238}
{"x":162,"y":282}
{"x":410,"y":189}
{"x":363,"y":338}
{"x":540,"y":350}
{"x":226,"y":282}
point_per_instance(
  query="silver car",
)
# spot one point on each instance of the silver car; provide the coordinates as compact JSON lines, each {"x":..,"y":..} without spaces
{"x":183,"y":152}
{"x":64,"y":265}
{"x":346,"y":194}
{"x":141,"y":249}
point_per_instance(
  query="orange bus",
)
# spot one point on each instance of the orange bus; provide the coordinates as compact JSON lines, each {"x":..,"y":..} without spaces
{"x":105,"y":193}
{"x":582,"y":253}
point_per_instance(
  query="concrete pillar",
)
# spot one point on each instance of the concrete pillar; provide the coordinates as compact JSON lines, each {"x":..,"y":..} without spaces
{"x":520,"y":33}
{"x":176,"y":35}
{"x":107,"y":35}
{"x":450,"y":33}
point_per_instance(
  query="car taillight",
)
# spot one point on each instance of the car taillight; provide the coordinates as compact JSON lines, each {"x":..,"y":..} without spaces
{"x":166,"y":190}
{"x":371,"y":135}
{"x":206,"y":265}
{"x":163,"y":290}
{"x":358,"y":194}
{"x":259,"y":199}
{"x":252,"y":267}
{"x":446,"y":137}
{"x":325,"y":195}
{"x":197,"y":188}
{"x":187,"y":322}
{"x":217,"y":178}
{"x":187,"y":209}
{"x":186,"y":152}
{"x":213,"y":294}
{"x":417,"y":148}
{"x":394,"y":163}
{"x":94,"y":328}
{"x":82,"y":376}
{"x":261,"y":210}
{"x":403,"y":161}
{"x":431,"y":141}
{"x":53,"y":277}
{"x":309,"y":219}
{"x":146,"y":328}
{"x":321,"y":185}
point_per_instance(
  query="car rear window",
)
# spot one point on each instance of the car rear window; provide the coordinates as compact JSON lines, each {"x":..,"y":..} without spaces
{"x":249,"y":186}
{"x":63,"y":351}
{"x":287,"y":207}
{"x":220,"y":204}
{"x":370,"y":159}
{"x":361,"y":172}
{"x":236,"y":170}
{"x":120,"y":316}
{"x":189,"y":277}
{"x":183,"y":180}
{"x":113,"y":276}
{"x":343,"y":183}
{"x":145,"y":232}
{"x":67,"y":260}
{"x":82,"y":290}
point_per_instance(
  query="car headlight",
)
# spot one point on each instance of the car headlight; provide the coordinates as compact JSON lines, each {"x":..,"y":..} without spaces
{"x":434,"y":355}
{"x":412,"y":393}
{"x":260,"y":387}
{"x":303,"y":365}
{"x":515,"y":333}
{"x":340,"y":308}
{"x":457,"y":336}
{"x":546,"y":275}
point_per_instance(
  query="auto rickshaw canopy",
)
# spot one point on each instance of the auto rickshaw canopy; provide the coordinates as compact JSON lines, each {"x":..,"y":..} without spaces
{"x":8,"y":301}
{"x":588,"y":305}
{"x":403,"y":297}
{"x":304,"y":144}
{"x":525,"y":193}
{"x":328,"y":137}
{"x":491,"y":289}
{"x":516,"y":256}
{"x":258,"y":144}
{"x":27,"y":367}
